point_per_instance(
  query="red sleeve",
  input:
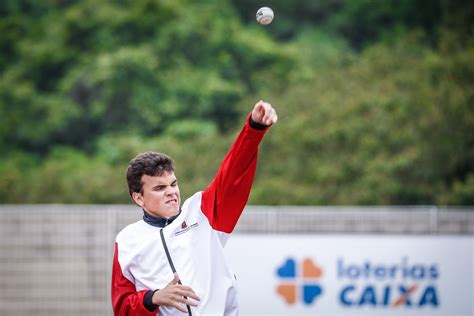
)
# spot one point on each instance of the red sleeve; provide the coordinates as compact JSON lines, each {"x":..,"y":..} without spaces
{"x":125,"y":299}
{"x":226,"y":196}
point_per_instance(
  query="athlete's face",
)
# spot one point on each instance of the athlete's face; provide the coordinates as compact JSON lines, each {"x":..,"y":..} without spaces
{"x":160,"y":195}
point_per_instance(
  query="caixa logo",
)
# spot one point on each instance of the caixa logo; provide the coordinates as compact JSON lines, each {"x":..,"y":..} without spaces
{"x":396,"y":285}
{"x":299,"y":281}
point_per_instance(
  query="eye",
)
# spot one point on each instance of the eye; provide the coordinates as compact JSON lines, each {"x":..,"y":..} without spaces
{"x":174,"y":183}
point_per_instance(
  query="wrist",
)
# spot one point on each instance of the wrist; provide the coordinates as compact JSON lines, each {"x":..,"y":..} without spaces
{"x":255,"y":125}
{"x":148,"y":301}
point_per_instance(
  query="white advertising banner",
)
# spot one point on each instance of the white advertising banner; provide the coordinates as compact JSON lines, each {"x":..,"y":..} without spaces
{"x":353,"y":274}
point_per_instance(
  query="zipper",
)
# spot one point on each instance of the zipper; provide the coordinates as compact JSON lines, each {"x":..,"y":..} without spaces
{"x":163,"y":241}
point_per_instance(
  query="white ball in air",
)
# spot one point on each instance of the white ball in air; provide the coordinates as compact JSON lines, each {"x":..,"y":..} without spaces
{"x":265,"y":15}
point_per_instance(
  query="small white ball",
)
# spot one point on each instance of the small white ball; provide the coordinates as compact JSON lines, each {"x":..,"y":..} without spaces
{"x":264,"y":15}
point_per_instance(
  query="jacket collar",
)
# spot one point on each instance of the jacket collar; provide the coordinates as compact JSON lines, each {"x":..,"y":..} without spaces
{"x":158,"y":221}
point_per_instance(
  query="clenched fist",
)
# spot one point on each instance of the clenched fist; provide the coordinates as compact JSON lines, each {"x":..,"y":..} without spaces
{"x":264,"y":113}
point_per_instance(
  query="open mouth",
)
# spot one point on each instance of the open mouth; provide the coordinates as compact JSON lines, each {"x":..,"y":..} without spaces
{"x":173,"y":201}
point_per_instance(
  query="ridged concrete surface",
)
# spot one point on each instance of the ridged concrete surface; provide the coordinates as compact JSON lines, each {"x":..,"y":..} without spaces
{"x":56,"y":259}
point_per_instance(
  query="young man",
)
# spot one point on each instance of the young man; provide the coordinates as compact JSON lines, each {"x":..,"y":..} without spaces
{"x":172,"y":262}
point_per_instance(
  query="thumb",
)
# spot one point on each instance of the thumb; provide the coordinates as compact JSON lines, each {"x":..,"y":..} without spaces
{"x":175,"y":279}
{"x":258,"y":111}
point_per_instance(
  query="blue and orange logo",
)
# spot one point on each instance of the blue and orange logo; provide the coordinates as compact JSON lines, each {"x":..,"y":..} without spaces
{"x":299,"y":281}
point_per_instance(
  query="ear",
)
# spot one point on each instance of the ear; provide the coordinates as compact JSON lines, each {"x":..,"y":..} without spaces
{"x":138,"y":198}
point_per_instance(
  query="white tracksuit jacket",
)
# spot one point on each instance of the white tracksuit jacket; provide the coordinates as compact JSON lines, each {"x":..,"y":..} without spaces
{"x":195,"y":240}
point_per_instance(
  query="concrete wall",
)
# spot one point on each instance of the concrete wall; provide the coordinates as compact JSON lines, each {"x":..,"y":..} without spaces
{"x":56,"y":259}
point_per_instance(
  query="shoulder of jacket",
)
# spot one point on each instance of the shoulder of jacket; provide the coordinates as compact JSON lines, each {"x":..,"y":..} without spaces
{"x":193,"y":201}
{"x":132,"y":233}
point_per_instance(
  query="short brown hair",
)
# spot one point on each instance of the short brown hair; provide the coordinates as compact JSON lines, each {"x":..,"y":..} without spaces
{"x":149,"y":163}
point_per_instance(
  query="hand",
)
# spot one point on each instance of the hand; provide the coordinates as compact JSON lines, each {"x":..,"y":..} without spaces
{"x":264,"y":113}
{"x":173,"y":294}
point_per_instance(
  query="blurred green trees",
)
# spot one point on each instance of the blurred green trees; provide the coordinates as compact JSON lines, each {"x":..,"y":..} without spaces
{"x":375,"y":98}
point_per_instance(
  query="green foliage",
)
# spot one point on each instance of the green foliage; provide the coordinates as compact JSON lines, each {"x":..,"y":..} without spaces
{"x":462,"y":193}
{"x":374,"y":97}
{"x":381,"y":130}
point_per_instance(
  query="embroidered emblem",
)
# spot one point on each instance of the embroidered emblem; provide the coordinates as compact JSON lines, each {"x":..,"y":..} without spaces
{"x":185,"y":228}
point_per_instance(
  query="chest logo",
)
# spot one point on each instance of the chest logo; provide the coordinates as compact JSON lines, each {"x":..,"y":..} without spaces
{"x":185,"y":228}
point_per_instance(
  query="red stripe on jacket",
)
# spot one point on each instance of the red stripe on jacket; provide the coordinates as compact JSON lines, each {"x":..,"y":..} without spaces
{"x":126,"y":301}
{"x":224,"y":199}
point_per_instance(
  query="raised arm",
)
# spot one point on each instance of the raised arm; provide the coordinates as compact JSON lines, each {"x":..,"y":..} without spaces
{"x":226,"y":196}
